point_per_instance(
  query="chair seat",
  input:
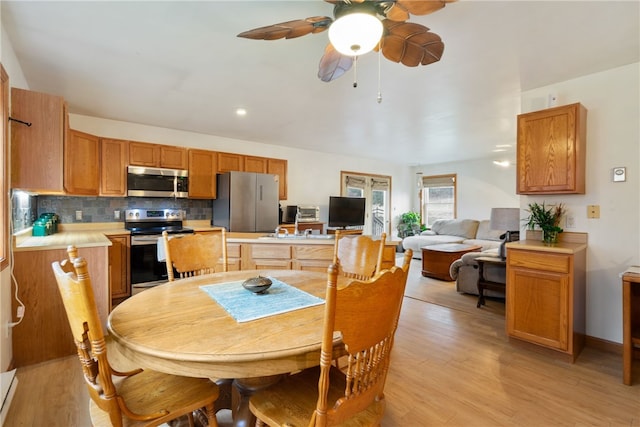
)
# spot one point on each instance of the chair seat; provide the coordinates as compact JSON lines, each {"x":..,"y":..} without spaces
{"x":292,"y":401}
{"x":151,"y":391}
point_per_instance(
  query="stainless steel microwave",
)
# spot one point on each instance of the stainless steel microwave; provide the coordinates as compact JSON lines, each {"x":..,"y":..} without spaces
{"x":157,"y":182}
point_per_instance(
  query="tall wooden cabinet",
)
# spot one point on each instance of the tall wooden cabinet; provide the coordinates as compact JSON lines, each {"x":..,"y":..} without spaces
{"x":202,"y":174}
{"x":279,"y":167}
{"x":552,"y":151}
{"x":37,"y":151}
{"x":119,"y":279}
{"x":546,"y":295}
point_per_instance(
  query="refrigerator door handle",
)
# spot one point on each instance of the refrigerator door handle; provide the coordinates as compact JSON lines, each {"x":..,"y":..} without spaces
{"x":260,"y":192}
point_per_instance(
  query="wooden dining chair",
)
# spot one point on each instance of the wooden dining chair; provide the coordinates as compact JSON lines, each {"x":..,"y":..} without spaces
{"x":135,"y":398}
{"x":196,"y":254}
{"x":365,"y":313}
{"x":357,"y":256}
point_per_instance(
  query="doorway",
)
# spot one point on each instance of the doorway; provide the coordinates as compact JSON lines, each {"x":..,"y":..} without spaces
{"x":376,"y":189}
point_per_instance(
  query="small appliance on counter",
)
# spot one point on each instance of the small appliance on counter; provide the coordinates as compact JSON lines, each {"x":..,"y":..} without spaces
{"x":45,"y":225}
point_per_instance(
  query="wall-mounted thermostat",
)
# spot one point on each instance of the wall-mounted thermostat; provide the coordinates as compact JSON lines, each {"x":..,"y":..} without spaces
{"x":619,"y":174}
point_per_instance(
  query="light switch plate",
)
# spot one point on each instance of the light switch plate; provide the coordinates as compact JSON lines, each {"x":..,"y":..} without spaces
{"x":619,"y":174}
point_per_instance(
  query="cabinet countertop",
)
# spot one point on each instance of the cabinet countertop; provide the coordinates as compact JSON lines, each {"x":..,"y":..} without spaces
{"x":538,"y":245}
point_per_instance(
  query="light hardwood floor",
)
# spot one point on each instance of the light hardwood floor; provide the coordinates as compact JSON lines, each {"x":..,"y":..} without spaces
{"x":452,"y":366}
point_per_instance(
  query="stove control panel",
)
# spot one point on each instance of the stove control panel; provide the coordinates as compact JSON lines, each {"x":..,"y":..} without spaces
{"x":154,"y":214}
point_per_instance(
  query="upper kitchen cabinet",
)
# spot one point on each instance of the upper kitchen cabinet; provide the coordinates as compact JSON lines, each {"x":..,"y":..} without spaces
{"x":81,"y":164}
{"x":255,"y":164}
{"x":37,"y":151}
{"x":228,"y":162}
{"x":279,"y":167}
{"x":202,"y":174}
{"x":114,"y":158}
{"x":158,"y":156}
{"x":552,"y":151}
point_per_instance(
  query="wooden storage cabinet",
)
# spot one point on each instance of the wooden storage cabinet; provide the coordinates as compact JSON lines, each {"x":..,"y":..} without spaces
{"x":279,"y":167}
{"x":37,"y":151}
{"x":552,"y":151}
{"x":82,"y":164}
{"x":255,"y":164}
{"x":202,"y":174}
{"x":119,"y":278}
{"x":267,"y":256}
{"x":114,"y":158}
{"x":44,"y":332}
{"x":156,"y":155}
{"x":545,"y":298}
{"x":312,"y":257}
{"x":228,"y":162}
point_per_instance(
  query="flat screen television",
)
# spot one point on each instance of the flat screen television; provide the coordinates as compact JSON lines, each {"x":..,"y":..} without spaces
{"x":346,"y":211}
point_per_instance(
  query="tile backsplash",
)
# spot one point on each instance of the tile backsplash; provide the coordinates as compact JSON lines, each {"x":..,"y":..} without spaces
{"x":26,"y":208}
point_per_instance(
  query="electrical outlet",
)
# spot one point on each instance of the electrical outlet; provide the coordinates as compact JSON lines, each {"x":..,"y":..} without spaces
{"x":116,"y":214}
{"x":570,"y":221}
{"x":78,"y":215}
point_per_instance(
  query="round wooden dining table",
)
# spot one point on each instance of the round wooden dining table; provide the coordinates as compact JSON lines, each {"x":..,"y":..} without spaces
{"x":177,"y":328}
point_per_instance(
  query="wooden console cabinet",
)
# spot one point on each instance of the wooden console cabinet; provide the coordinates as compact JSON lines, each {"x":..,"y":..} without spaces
{"x":552,"y":151}
{"x":546,"y":294}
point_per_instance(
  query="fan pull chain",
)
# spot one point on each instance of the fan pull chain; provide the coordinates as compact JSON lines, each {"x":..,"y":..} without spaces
{"x":379,"y":98}
{"x":355,"y":71}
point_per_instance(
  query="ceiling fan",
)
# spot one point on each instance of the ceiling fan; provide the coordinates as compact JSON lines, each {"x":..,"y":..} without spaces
{"x":405,"y":42}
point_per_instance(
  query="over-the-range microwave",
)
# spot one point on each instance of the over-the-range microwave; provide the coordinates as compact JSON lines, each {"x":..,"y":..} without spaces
{"x":157,"y":182}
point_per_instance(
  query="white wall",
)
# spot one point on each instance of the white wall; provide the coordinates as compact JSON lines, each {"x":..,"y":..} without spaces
{"x":612,"y":100}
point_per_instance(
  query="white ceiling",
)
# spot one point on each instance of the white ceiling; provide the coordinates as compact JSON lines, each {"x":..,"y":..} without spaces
{"x":179,"y":65}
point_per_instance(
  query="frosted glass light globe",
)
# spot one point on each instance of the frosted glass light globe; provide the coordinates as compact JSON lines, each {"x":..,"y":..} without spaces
{"x":355,"y":34}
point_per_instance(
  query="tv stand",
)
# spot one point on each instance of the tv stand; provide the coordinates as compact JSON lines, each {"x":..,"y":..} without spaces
{"x":345,"y":230}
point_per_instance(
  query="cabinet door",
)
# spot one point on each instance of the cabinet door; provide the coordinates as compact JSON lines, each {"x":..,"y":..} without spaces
{"x":551,"y":151}
{"x":114,"y":158}
{"x":119,"y":283}
{"x":255,"y":164}
{"x":37,"y":150}
{"x":538,"y":307}
{"x":228,"y":162}
{"x":279,"y":167}
{"x":143,"y":154}
{"x":173,"y":157}
{"x":82,"y":164}
{"x":202,"y":174}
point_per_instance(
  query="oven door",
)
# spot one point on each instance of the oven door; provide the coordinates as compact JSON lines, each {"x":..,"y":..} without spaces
{"x":146,"y":270}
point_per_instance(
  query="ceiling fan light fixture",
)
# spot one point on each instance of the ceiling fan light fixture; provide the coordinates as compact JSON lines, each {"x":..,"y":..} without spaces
{"x":355,"y":34}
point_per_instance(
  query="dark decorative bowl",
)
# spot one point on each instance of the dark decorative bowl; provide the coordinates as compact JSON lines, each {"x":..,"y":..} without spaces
{"x":257,"y":285}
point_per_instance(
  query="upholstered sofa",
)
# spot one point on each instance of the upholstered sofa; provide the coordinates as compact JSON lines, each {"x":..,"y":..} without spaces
{"x":467,"y":231}
{"x":465,"y":272}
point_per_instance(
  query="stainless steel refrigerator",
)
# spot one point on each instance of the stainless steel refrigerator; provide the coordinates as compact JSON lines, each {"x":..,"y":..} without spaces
{"x":246,"y":202}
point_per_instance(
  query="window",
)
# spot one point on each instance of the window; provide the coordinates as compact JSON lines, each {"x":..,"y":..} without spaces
{"x":376,"y":189}
{"x":4,"y":176}
{"x":437,"y":198}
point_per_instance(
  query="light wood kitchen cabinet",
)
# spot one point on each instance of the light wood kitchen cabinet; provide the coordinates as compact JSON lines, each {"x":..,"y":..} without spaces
{"x":44,"y":332}
{"x":37,"y":151}
{"x":157,"y":155}
{"x":546,"y":296}
{"x":312,"y":257}
{"x":255,"y":164}
{"x":268,"y":257}
{"x":119,"y":279}
{"x":228,"y":162}
{"x":552,"y":151}
{"x":81,"y":164}
{"x":279,"y":167}
{"x":114,"y":158}
{"x":202,"y":174}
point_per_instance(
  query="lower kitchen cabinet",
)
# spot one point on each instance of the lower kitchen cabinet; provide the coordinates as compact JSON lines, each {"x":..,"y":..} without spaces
{"x":44,"y":332}
{"x":119,"y":261}
{"x":546,"y":295}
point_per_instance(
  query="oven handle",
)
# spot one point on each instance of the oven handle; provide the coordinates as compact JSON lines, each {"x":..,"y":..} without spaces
{"x":144,"y":240}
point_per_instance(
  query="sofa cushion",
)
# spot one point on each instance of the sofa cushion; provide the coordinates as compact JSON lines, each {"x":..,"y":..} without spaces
{"x":486,"y":233}
{"x":416,"y":242}
{"x":486,"y":244}
{"x":466,"y":228}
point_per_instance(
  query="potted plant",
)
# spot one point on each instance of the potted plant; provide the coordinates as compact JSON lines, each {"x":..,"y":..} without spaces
{"x":547,"y":219}
{"x":409,"y":224}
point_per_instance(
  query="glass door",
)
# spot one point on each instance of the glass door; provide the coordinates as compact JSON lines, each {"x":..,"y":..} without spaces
{"x":376,"y":189}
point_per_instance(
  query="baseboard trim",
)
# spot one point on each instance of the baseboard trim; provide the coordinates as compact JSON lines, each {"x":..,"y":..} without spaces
{"x":604,"y":345}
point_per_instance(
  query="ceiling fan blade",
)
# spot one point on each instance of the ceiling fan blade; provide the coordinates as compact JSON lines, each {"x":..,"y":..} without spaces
{"x":421,"y":7}
{"x":289,"y":29}
{"x":396,"y":13}
{"x":333,"y":64}
{"x":411,"y":44}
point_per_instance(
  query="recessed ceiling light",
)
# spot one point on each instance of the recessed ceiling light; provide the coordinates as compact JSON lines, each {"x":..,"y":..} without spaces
{"x":241,"y":112}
